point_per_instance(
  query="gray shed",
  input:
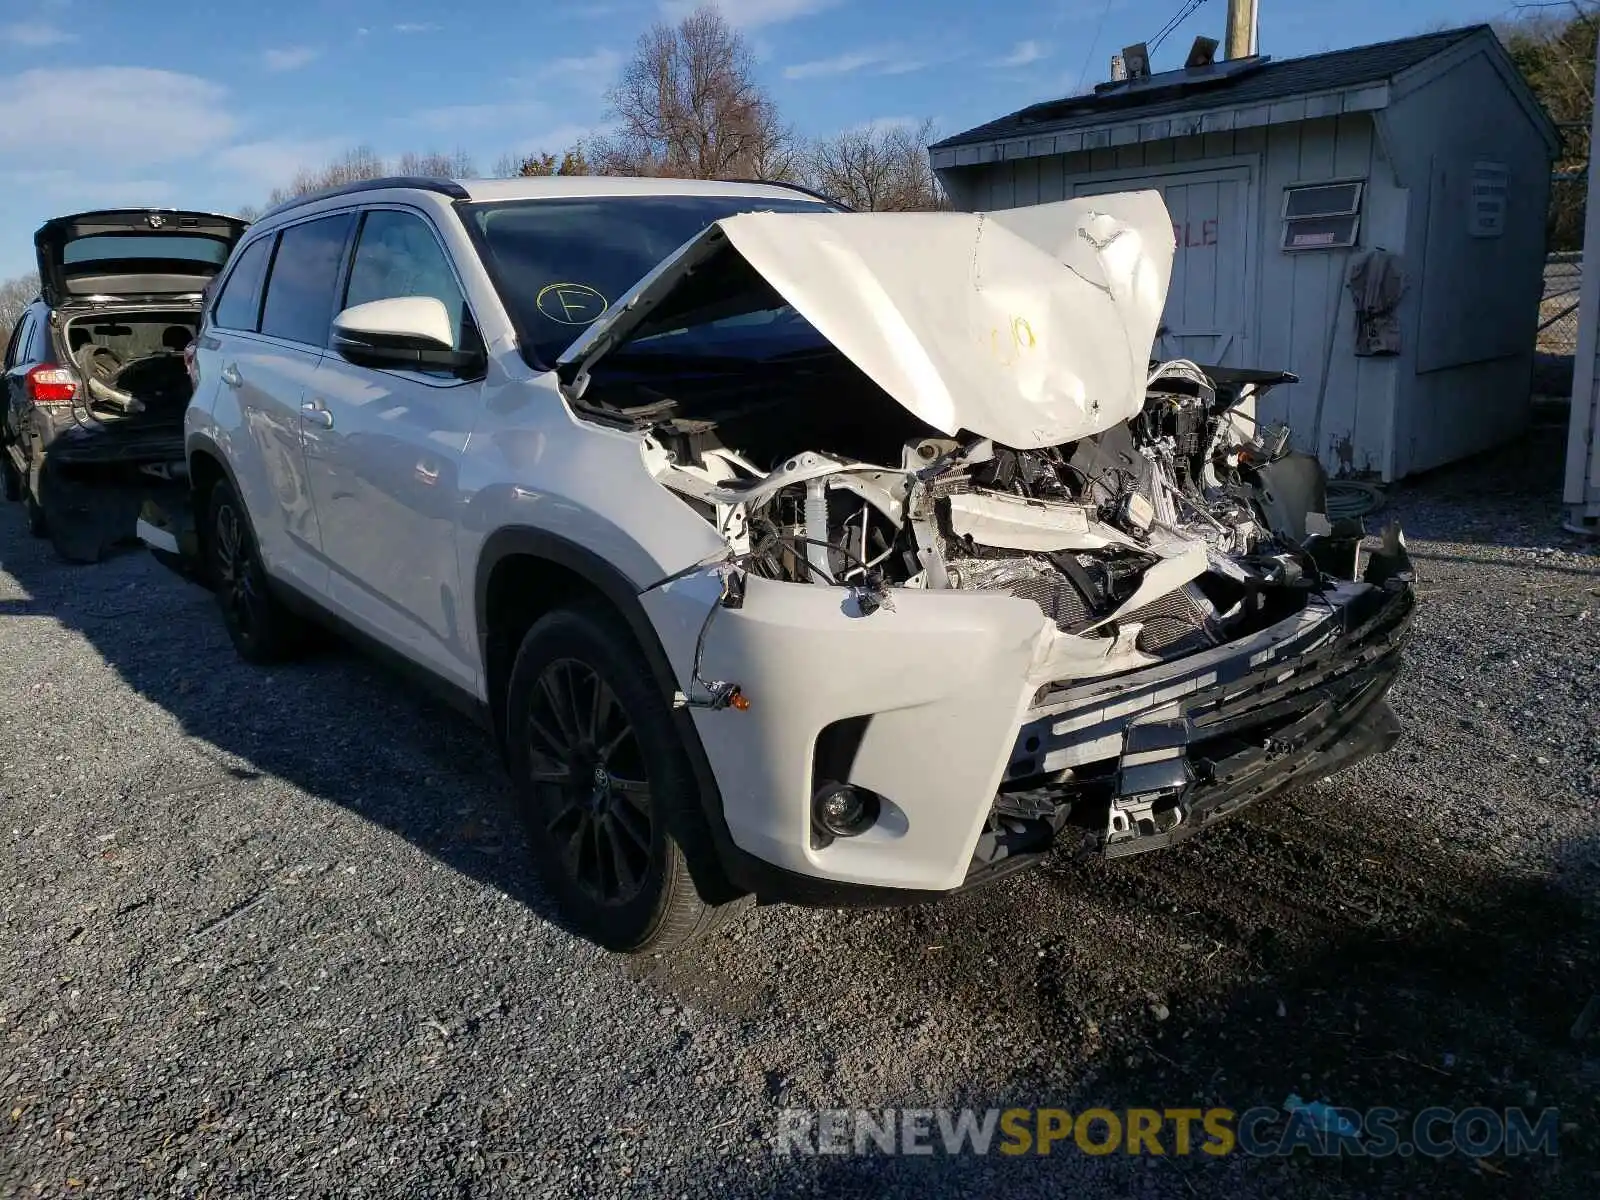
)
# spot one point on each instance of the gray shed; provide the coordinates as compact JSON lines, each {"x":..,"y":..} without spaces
{"x":1284,"y":176}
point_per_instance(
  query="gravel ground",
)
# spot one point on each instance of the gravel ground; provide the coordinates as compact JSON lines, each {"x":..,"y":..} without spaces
{"x":272,"y":931}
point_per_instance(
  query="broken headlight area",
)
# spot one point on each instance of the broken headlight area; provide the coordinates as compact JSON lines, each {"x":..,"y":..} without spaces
{"x":1160,"y":537}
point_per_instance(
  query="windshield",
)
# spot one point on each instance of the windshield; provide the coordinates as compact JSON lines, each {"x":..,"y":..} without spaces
{"x":559,"y":264}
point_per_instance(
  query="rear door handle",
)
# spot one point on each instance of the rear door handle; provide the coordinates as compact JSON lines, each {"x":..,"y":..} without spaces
{"x":313,"y":411}
{"x":231,"y":376}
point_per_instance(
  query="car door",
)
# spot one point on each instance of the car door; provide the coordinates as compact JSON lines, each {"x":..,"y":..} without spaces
{"x":382,"y":452}
{"x":265,"y":355}
{"x":16,"y":370}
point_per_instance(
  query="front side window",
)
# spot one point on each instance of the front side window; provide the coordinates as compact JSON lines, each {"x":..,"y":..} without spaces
{"x":559,"y":264}
{"x":239,"y":305}
{"x":305,"y":270}
{"x":397,"y":255}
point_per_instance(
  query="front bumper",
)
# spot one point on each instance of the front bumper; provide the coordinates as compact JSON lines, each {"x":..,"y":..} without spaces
{"x":931,"y":707}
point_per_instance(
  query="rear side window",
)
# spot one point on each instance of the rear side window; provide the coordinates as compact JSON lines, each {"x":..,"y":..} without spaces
{"x":239,"y":305}
{"x":299,"y":303}
{"x":19,"y":340}
{"x":37,"y":347}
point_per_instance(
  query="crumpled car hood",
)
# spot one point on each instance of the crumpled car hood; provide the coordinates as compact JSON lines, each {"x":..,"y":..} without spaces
{"x":1031,"y":326}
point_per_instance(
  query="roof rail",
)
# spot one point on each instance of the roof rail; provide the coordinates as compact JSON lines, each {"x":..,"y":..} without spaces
{"x":421,"y":183}
{"x":794,"y":187}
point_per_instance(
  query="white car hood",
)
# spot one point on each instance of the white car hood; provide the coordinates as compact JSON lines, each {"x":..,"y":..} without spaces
{"x":1032,"y":326}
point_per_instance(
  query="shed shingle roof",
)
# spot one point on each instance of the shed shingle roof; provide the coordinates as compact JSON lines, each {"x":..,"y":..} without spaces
{"x":1272,"y":80}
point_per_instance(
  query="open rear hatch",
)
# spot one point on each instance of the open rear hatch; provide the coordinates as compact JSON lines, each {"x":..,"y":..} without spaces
{"x":131,"y":253}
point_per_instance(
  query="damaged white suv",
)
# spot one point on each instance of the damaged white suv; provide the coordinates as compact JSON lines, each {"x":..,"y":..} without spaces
{"x":826,"y":557}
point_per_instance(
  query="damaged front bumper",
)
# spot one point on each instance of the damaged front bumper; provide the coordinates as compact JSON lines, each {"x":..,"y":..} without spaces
{"x":976,"y":766}
{"x":1147,"y":760}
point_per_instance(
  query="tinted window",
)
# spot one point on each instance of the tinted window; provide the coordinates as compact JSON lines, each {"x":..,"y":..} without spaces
{"x":559,"y":264}
{"x":397,"y":255}
{"x":300,"y":289}
{"x":240,"y":302}
{"x":111,"y":246}
{"x":19,"y":339}
{"x":37,"y":347}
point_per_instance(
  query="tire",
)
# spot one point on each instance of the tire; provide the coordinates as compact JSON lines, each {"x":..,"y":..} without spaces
{"x":261,"y":629}
{"x":37,"y":525}
{"x":605,"y":785}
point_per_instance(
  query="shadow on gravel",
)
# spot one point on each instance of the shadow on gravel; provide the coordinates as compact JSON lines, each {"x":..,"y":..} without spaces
{"x":334,"y":725}
{"x":1508,"y":496}
{"x":1417,"y":979}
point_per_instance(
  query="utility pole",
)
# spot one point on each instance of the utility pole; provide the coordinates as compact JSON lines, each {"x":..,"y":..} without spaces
{"x":1240,"y":39}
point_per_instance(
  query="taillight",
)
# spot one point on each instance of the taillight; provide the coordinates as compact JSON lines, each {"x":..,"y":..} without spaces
{"x":50,"y":384}
{"x":191,"y":365}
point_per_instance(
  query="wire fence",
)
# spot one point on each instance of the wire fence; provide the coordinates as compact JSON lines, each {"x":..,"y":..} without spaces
{"x":1558,"y":308}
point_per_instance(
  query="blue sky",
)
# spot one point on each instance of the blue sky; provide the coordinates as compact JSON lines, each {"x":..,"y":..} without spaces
{"x":208,"y":105}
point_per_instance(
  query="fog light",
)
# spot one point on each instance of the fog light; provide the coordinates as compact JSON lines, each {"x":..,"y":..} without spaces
{"x":840,"y":810}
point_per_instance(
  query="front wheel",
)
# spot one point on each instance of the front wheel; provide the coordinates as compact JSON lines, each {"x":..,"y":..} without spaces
{"x":606,"y":787}
{"x":261,"y":628}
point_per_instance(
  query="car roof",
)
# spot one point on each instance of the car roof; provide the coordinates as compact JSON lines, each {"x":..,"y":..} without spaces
{"x":537,"y":187}
{"x":550,"y":187}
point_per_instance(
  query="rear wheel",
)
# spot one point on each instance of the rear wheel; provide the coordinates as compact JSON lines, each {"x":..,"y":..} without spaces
{"x":606,"y":786}
{"x":261,"y":628}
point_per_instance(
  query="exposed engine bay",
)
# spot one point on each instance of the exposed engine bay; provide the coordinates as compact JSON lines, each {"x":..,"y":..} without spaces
{"x":1175,"y":531}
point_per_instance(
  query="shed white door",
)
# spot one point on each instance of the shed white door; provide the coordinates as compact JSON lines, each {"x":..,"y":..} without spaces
{"x":1207,"y":314}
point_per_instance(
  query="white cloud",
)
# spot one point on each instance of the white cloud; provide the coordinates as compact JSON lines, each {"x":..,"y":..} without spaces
{"x":876,"y":62}
{"x":34,"y":34}
{"x":557,"y":138}
{"x":289,"y":58}
{"x":67,"y":191}
{"x":116,"y":116}
{"x":602,"y":65}
{"x":459,"y":118}
{"x":257,"y":167}
{"x":416,"y":27}
{"x":749,"y":14}
{"x":1023,"y":53}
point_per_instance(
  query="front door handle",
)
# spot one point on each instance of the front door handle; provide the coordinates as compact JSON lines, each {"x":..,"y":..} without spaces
{"x":231,"y":376}
{"x":314,"y":412}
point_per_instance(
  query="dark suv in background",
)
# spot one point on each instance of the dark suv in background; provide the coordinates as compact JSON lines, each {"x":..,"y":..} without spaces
{"x":96,"y":378}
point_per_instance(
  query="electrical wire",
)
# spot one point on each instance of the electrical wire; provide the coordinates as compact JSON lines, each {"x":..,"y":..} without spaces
{"x":1088,"y":54}
{"x":1183,"y":14}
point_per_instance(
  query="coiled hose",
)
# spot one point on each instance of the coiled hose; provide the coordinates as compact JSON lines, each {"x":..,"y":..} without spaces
{"x":1348,"y":498}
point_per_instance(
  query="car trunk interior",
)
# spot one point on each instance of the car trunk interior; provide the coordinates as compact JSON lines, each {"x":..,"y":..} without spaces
{"x":132,"y":363}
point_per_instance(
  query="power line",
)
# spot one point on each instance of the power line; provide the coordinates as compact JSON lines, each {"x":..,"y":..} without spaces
{"x":1083,"y":71}
{"x":1188,"y":10}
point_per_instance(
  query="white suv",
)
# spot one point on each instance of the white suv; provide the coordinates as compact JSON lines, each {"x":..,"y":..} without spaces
{"x":821,"y":556}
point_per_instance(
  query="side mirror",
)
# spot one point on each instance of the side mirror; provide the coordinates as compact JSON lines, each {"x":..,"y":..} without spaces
{"x":402,"y":331}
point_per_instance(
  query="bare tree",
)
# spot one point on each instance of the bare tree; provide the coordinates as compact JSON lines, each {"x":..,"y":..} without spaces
{"x":350,"y":167}
{"x":688,"y":104}
{"x":881,"y":168}
{"x":1553,"y":46}
{"x":573,"y":161}
{"x":456,"y":165}
{"x":15,"y":295}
